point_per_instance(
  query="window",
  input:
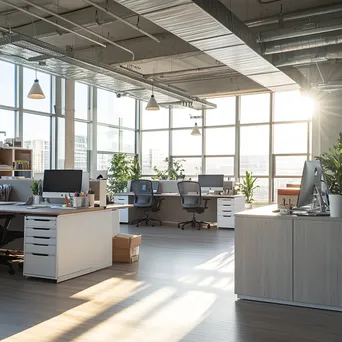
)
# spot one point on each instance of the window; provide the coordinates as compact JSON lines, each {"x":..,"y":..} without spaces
{"x":155,"y":119}
{"x":290,"y":138}
{"x":81,"y":146}
{"x":127,"y":141}
{"x":192,"y":166}
{"x":60,"y":143}
{"x":125,"y":109}
{"x":43,"y":105}
{"x":255,"y":108}
{"x":254,"y":156}
{"x":220,"y":141}
{"x":289,"y":165}
{"x":261,"y":193}
{"x":7,"y":94}
{"x":107,"y":139}
{"x":220,"y":165}
{"x":292,"y":106}
{"x":38,"y":140}
{"x":81,"y":101}
{"x":155,"y":148}
{"x":7,"y":123}
{"x":181,"y":117}
{"x":224,"y":114}
{"x":185,"y":144}
{"x":106,"y":107}
{"x":103,"y":161}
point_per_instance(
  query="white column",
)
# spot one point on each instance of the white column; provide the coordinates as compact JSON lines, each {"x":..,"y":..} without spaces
{"x":69,"y":124}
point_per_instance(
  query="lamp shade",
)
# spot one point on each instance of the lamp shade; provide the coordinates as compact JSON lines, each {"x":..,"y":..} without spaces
{"x":36,"y":91}
{"x":195,"y":131}
{"x":152,"y":104}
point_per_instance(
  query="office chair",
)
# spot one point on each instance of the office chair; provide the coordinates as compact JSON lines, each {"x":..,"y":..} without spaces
{"x":191,"y":201}
{"x":7,"y":236}
{"x":144,"y":199}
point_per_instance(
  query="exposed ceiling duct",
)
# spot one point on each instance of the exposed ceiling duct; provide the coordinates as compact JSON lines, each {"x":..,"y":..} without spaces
{"x":24,"y":50}
{"x":314,"y":12}
{"x":304,"y":43}
{"x":213,"y":29}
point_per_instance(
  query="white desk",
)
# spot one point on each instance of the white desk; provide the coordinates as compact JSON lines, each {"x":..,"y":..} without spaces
{"x":61,"y":244}
{"x":288,"y":259}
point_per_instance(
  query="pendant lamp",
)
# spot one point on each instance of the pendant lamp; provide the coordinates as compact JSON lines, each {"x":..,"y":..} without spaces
{"x":36,"y":91}
{"x":152,"y":103}
{"x":195,"y":131}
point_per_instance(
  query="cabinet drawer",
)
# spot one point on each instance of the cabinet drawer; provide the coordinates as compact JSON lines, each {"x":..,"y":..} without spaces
{"x":40,"y":232}
{"x":40,"y":265}
{"x":40,"y":249}
{"x":225,"y":222}
{"x":40,"y":222}
{"x":40,"y":241}
{"x":121,"y":199}
{"x":225,"y":201}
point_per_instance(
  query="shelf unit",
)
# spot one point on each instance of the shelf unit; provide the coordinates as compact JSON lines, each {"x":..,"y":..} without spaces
{"x":10,"y":156}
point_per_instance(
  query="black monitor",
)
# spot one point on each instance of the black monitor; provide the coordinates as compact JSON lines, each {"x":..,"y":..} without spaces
{"x":59,"y":183}
{"x":211,"y":182}
{"x":155,"y":186}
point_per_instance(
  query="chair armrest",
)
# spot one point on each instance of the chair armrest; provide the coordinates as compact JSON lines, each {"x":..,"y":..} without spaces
{"x":206,"y":203}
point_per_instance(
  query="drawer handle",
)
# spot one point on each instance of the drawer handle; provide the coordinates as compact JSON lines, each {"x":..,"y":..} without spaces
{"x":41,"y":228}
{"x":226,"y":215}
{"x":40,"y":254}
{"x":41,"y":237}
{"x":40,"y":244}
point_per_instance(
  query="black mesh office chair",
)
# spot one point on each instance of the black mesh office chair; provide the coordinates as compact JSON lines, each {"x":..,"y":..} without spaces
{"x":191,"y":201}
{"x":145,"y":200}
{"x":7,"y":236}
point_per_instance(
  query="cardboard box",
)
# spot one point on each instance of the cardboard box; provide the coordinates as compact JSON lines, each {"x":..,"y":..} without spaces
{"x":126,"y":248}
{"x":287,"y":197}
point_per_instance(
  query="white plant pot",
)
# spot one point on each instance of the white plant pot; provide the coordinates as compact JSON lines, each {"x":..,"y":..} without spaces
{"x":248,"y":205}
{"x":335,"y":205}
{"x":36,"y":199}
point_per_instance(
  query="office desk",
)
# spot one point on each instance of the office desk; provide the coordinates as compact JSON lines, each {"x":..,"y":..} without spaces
{"x":221,"y":209}
{"x":61,"y":244}
{"x":288,"y":259}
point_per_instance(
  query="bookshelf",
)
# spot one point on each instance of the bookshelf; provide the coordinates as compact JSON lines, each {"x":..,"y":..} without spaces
{"x":15,"y":162}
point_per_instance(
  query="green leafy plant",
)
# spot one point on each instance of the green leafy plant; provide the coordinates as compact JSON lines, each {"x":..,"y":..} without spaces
{"x":248,"y":186}
{"x":118,"y":174}
{"x":332,"y":167}
{"x":135,"y":169}
{"x":173,"y":171}
{"x":35,"y":188}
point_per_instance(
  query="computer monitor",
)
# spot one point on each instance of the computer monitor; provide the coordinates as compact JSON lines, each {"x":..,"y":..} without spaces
{"x":60,"y":183}
{"x":155,"y":186}
{"x":211,"y":182}
{"x":313,"y":183}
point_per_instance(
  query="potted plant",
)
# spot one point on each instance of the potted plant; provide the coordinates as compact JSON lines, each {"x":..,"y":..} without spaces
{"x":35,"y":191}
{"x":174,"y":170}
{"x":332,"y":167}
{"x":247,"y":188}
{"x":135,"y":169}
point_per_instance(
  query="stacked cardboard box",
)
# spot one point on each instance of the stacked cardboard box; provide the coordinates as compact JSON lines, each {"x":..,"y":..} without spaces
{"x":126,"y":248}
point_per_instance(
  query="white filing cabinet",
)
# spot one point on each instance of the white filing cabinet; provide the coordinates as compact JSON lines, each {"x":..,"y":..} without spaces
{"x":123,"y":199}
{"x":226,"y":208}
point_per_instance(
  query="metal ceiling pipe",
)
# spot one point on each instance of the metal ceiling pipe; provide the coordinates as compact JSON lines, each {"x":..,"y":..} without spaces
{"x":77,"y":25}
{"x":313,"y":12}
{"x":295,"y":32}
{"x":113,"y":15}
{"x":52,"y":23}
{"x":302,"y":44}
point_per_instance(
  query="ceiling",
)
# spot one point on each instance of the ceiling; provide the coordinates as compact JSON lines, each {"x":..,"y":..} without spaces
{"x":188,"y":49}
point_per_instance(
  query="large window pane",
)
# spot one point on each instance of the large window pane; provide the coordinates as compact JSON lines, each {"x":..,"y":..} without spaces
{"x":290,"y":138}
{"x":289,"y":165}
{"x":81,"y":101}
{"x":7,"y":123}
{"x":155,"y":148}
{"x":261,"y":193}
{"x":185,"y":144}
{"x":192,"y":166}
{"x":126,"y":111}
{"x":7,"y":82}
{"x":224,"y":114}
{"x":103,"y":161}
{"x":36,"y":136}
{"x":220,"y":165}
{"x":127,"y":141}
{"x":155,"y":119}
{"x":254,"y":150}
{"x":181,"y":117}
{"x":292,"y":106}
{"x":81,"y":146}
{"x":220,"y":141}
{"x":43,"y":105}
{"x":61,"y":143}
{"x":107,"y":139}
{"x":255,"y":108}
